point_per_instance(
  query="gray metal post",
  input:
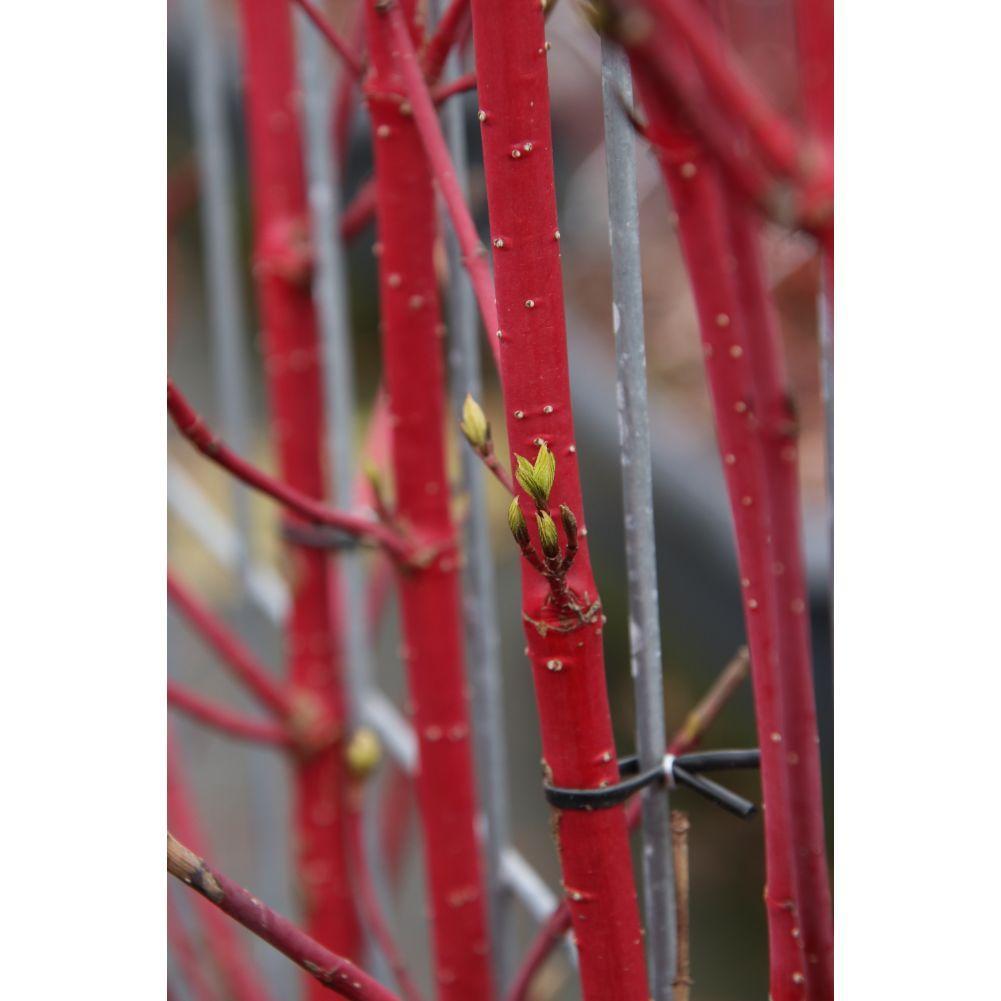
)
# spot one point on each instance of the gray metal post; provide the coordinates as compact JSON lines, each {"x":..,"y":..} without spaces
{"x":637,"y":488}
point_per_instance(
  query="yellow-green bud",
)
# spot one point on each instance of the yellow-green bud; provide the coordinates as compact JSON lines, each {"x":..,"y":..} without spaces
{"x":474,"y":423}
{"x":363,"y":752}
{"x":516,"y":522}
{"x":537,"y":480}
{"x":548,"y":538}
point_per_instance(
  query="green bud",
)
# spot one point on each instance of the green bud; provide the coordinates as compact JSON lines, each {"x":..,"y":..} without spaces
{"x":537,"y":480}
{"x":516,"y":522}
{"x":569,"y":524}
{"x":548,"y":538}
{"x":474,"y":423}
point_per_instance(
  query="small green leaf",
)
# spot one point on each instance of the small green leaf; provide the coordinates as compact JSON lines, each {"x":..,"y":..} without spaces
{"x":474,"y":423}
{"x":516,"y":522}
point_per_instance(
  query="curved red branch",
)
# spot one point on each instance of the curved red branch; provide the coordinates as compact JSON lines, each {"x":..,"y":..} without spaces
{"x":337,"y":43}
{"x":230,"y":649}
{"x":334,"y":972}
{"x":447,"y":33}
{"x":225,"y":720}
{"x":208,"y":443}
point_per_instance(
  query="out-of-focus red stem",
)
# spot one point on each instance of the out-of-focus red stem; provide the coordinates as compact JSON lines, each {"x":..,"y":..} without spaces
{"x":243,"y":663}
{"x":700,"y":200}
{"x":330,"y":33}
{"x":696,"y":723}
{"x":429,"y":594}
{"x":779,"y":431}
{"x":815,"y":37}
{"x":347,"y":90}
{"x":293,"y":360}
{"x":449,"y":28}
{"x":194,"y":428}
{"x":474,"y":257}
{"x":332,"y":971}
{"x":360,"y":211}
{"x":186,"y":955}
{"x":226,"y":720}
{"x":396,"y":811}
{"x":235,"y":964}
{"x":460,"y":85}
{"x":563,"y":647}
{"x":371,"y":909}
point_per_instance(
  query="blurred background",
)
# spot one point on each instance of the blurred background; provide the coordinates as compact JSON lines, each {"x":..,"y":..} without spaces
{"x":242,"y":790}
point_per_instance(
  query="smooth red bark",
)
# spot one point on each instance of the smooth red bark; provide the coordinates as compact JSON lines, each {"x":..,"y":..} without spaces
{"x":567,"y":658}
{"x":429,"y":595}
{"x":292,"y":358}
{"x":339,"y":44}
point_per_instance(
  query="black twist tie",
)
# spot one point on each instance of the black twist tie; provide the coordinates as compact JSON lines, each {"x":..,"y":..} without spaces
{"x":672,"y":771}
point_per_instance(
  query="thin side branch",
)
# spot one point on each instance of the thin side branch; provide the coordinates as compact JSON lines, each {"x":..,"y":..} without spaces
{"x":243,"y":663}
{"x":428,"y":127}
{"x":191,"y":425}
{"x":330,"y":33}
{"x":225,"y":720}
{"x":450,"y":26}
{"x":460,"y":85}
{"x":335,"y":972}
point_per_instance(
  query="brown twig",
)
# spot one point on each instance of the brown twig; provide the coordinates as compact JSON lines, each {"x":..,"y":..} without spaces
{"x":679,"y":848}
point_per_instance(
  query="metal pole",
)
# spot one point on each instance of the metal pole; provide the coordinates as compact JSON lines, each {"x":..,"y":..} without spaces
{"x":226,"y":319}
{"x":479,"y":597}
{"x":637,"y":489}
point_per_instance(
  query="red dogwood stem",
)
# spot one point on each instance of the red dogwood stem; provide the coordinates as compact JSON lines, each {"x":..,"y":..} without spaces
{"x":235,"y":964}
{"x":359,"y":212}
{"x":688,"y":736}
{"x":443,"y":91}
{"x":330,"y":971}
{"x":292,"y":357}
{"x":700,"y":201}
{"x":297,"y":500}
{"x":474,"y":257}
{"x":565,"y":653}
{"x":244,"y":664}
{"x":429,"y":594}
{"x":778,"y":432}
{"x":226,"y":720}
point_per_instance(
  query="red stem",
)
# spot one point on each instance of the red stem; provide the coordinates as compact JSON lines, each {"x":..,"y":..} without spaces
{"x":474,"y":257}
{"x":701,"y":203}
{"x":565,"y":652}
{"x":330,"y":33}
{"x":359,"y":212}
{"x":429,"y":595}
{"x":243,"y":981}
{"x":446,"y":34}
{"x":687,"y":737}
{"x":329,"y":970}
{"x":461,"y":84}
{"x":779,"y":433}
{"x":231,"y":650}
{"x":224,"y":719}
{"x":194,"y":428}
{"x":293,"y":357}
{"x":369,"y":904}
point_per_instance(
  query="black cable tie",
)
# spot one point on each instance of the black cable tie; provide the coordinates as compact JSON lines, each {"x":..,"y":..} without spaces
{"x":318,"y":536}
{"x":684,"y":770}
